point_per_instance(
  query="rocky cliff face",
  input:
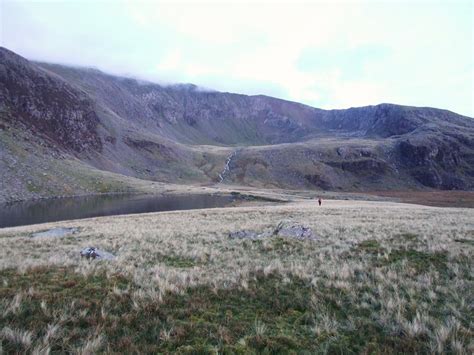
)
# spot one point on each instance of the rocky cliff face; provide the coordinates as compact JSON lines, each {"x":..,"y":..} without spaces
{"x":181,"y":133}
{"x":47,"y":104}
{"x":438,"y":163}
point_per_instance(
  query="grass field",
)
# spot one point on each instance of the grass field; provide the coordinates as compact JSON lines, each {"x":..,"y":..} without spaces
{"x":382,"y":277}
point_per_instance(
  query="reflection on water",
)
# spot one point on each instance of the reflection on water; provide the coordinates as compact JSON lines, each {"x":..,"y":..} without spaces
{"x":50,"y":210}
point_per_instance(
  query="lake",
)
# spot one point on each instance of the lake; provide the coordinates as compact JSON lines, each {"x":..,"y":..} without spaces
{"x":60,"y":209}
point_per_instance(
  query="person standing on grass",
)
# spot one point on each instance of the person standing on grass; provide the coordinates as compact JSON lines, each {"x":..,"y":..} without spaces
{"x":320,"y":201}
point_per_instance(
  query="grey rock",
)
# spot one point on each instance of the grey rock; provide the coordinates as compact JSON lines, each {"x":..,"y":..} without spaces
{"x":266,"y":234}
{"x":55,"y":232}
{"x":94,"y":253}
{"x":288,"y":229}
{"x":285,"y":229}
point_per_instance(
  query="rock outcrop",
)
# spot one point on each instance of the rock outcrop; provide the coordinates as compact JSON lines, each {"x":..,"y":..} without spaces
{"x":288,"y":229}
{"x":47,"y":104}
{"x":284,"y":229}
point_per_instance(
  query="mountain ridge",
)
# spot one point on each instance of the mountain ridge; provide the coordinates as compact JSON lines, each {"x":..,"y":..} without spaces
{"x":199,"y":88}
{"x":181,"y":134}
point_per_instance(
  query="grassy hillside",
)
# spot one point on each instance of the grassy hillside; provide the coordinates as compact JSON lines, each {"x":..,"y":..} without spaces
{"x":30,"y":168}
{"x":381,"y":278}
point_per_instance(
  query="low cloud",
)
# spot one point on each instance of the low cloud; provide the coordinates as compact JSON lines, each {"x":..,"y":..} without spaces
{"x":330,"y":55}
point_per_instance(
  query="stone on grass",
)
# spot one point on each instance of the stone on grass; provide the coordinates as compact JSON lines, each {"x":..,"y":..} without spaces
{"x":285,"y":229}
{"x":288,"y":229}
{"x":55,"y":232}
{"x":94,"y":253}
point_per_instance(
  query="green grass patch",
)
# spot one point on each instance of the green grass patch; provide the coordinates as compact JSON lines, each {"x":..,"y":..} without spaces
{"x":407,"y":237}
{"x":421,"y":261}
{"x":62,"y":292}
{"x":173,"y":260}
{"x":370,"y":246}
{"x":271,"y":316}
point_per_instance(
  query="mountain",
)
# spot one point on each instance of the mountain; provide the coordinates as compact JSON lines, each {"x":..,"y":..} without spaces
{"x":68,"y":130}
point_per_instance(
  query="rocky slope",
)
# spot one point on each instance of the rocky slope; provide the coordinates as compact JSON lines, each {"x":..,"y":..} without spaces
{"x":55,"y":119}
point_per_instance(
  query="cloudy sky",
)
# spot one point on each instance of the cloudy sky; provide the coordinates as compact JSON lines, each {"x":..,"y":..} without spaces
{"x":333,"y":54}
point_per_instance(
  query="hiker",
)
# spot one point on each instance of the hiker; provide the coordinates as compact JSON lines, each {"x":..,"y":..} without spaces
{"x":320,"y":201}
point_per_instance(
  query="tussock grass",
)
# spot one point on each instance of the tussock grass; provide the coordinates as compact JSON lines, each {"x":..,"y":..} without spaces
{"x":382,"y":277}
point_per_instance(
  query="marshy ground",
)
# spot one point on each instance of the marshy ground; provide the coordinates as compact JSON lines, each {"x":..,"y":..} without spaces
{"x":381,"y":277}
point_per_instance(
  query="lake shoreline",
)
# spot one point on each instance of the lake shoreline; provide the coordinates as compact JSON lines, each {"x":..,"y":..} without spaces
{"x":40,"y":211}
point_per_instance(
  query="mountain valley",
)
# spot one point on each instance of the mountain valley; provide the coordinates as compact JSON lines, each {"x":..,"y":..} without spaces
{"x":74,"y":131}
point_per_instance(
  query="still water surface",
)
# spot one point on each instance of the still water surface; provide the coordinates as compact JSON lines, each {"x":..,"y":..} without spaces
{"x":51,"y":210}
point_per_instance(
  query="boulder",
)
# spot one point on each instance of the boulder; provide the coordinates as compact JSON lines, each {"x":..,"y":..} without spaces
{"x":285,"y":229}
{"x":288,"y":229}
{"x":94,"y":253}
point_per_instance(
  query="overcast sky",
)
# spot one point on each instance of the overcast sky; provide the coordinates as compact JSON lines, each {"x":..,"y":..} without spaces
{"x":326,"y":54}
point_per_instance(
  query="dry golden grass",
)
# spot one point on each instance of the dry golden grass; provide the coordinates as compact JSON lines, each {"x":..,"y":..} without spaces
{"x":409,"y":265}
